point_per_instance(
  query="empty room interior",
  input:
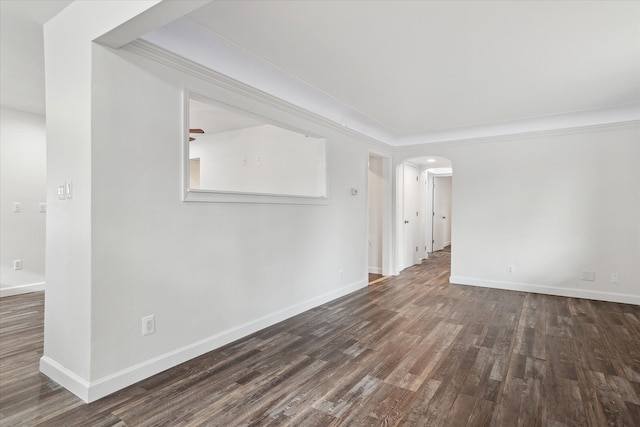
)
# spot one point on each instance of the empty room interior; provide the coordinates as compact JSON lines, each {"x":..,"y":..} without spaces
{"x":323,"y":213}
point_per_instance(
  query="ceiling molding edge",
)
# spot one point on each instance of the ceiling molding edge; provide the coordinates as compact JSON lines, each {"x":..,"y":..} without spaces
{"x":521,"y":135}
{"x":191,"y":40}
{"x":551,"y":124}
{"x":160,"y":55}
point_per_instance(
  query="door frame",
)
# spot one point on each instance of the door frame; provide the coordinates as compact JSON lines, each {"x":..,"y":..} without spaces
{"x":427,"y":209}
{"x":386,"y":214}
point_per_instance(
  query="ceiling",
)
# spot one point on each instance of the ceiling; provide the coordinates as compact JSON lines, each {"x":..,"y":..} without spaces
{"x":390,"y":69}
{"x":214,"y":119}
{"x":420,"y":66}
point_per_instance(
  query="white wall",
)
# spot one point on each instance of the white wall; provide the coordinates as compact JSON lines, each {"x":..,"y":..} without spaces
{"x":23,"y":180}
{"x":68,"y":339}
{"x":209,"y":272}
{"x":261,"y":159}
{"x":552,"y":205}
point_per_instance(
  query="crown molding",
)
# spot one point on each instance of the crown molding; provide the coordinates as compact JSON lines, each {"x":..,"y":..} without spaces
{"x":162,"y":56}
{"x":545,"y":125}
{"x":523,"y":135}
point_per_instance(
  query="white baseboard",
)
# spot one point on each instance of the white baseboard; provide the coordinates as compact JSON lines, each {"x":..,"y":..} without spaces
{"x":69,"y":380}
{"x":549,"y":290}
{"x":447,"y":243}
{"x":94,"y":390}
{"x":375,"y":270}
{"x":21,"y":289}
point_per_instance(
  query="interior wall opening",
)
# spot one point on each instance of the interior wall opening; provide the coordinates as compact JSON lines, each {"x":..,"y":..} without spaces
{"x":378,"y":218}
{"x":424,"y":209}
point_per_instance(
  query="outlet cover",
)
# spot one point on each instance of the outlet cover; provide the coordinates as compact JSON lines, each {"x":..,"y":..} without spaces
{"x":17,"y":264}
{"x":148,"y":324}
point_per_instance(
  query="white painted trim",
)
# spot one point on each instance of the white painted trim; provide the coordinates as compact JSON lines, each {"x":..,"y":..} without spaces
{"x":375,"y":270}
{"x":64,"y":377}
{"x":408,"y":151}
{"x":162,"y":56}
{"x":548,"y":290}
{"x":21,"y":289}
{"x":237,"y":197}
{"x":530,"y":125}
{"x":94,"y":390}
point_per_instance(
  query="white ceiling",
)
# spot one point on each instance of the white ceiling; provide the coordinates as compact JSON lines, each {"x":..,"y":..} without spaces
{"x":421,"y":66}
{"x":215,"y":119}
{"x":391,"y":69}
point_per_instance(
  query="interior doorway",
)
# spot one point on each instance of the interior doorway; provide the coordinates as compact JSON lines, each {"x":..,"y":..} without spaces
{"x":423,"y":196}
{"x":441,"y":213}
{"x":378,"y":218}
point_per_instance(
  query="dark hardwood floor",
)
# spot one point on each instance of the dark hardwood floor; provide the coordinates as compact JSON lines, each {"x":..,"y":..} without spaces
{"x":411,"y":350}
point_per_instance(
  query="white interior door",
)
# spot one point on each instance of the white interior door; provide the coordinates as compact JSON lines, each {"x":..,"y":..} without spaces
{"x":411,"y":224}
{"x":441,"y":212}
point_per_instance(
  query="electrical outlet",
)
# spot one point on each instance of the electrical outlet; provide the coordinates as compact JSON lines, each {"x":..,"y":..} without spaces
{"x":615,"y":278}
{"x":43,"y":208}
{"x":17,"y":207}
{"x":17,"y":264}
{"x":511,"y":269}
{"x":148,"y":324}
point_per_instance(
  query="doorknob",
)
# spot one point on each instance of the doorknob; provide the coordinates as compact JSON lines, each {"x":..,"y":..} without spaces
{"x":406,"y":222}
{"x":444,"y":217}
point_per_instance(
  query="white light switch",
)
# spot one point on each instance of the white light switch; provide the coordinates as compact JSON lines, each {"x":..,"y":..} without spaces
{"x":69,"y":189}
{"x":62,"y":190}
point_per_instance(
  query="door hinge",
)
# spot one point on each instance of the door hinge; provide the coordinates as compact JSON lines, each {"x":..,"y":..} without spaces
{"x":417,"y":178}
{"x":433,"y":241}
{"x":416,"y":213}
{"x":416,"y":249}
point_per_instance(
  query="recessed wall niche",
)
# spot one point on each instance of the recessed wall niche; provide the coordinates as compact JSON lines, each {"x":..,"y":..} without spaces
{"x":235,"y":156}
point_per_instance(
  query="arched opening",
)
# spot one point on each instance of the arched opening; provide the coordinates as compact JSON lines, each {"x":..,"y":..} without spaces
{"x":423,"y":209}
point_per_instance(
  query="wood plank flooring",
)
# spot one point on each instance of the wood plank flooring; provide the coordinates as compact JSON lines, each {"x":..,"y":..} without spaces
{"x":412,"y":350}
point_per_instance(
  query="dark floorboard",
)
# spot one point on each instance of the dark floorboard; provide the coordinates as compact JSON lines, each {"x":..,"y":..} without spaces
{"x":412,"y":350}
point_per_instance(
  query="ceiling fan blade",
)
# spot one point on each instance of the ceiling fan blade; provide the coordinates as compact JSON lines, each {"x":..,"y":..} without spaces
{"x":196,"y":131}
